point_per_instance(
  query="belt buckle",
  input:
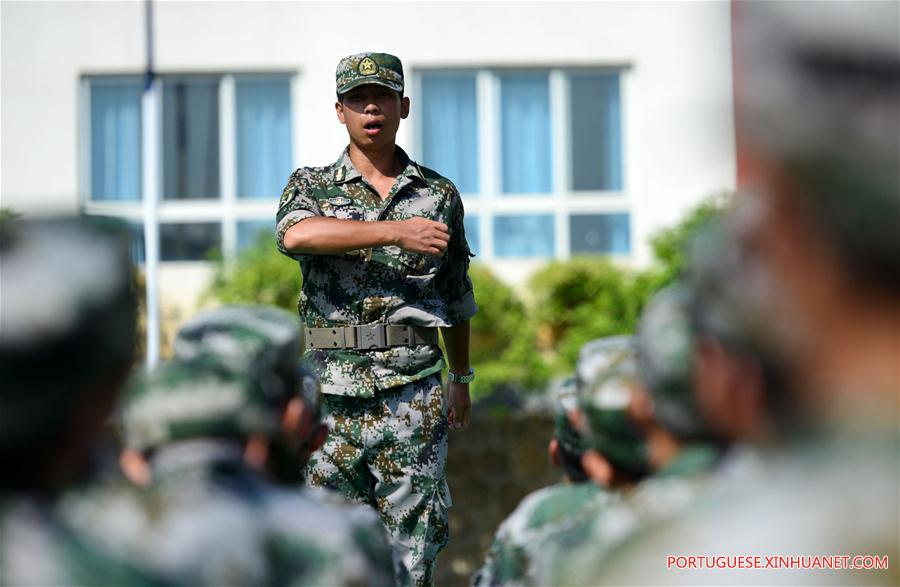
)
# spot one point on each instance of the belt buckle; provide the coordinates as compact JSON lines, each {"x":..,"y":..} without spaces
{"x":370,"y":336}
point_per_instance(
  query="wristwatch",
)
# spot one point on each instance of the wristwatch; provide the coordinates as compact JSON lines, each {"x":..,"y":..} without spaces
{"x":454,"y":378}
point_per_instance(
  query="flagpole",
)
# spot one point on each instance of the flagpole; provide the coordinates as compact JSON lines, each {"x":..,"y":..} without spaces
{"x":150,"y":184}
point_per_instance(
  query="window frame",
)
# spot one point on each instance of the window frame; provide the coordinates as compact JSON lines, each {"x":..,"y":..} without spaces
{"x":562,"y":202}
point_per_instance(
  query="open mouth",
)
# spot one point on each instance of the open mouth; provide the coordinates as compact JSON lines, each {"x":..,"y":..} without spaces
{"x":373,"y":127}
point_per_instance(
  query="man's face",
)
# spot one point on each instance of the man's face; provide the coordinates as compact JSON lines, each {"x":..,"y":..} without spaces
{"x":372,"y":114}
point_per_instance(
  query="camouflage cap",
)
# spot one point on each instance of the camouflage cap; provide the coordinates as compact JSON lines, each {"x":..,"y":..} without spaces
{"x":729,"y":299}
{"x":382,"y":69}
{"x":565,"y":401}
{"x":596,"y":356}
{"x":610,"y":429}
{"x":198,"y":398}
{"x":665,"y":354}
{"x":67,"y":319}
{"x":261,"y":341}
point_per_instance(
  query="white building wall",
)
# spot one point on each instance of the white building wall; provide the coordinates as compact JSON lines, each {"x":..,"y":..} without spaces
{"x":678,"y":142}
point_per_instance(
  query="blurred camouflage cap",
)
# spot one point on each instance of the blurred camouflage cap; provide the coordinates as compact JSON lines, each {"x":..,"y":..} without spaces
{"x":665,"y":355}
{"x":198,"y":398}
{"x":596,"y":356}
{"x":728,"y":297}
{"x":382,"y":69}
{"x":262,"y":342}
{"x":67,"y":319}
{"x":819,"y":94}
{"x":605,"y":402}
{"x":565,"y":401}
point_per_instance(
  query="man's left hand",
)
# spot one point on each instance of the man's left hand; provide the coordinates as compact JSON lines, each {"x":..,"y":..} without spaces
{"x":460,"y":405}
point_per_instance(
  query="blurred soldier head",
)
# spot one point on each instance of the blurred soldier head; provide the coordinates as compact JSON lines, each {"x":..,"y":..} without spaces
{"x":264,"y":343}
{"x":817,"y":109}
{"x":568,"y":445}
{"x":739,"y":387}
{"x":193,"y":400}
{"x":67,"y":335}
{"x":665,"y":356}
{"x":619,"y":452}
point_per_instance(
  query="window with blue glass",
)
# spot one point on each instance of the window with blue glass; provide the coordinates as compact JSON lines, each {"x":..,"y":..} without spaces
{"x":525,"y":133}
{"x":249,"y":232}
{"x":115,"y":141}
{"x":496,"y":133}
{"x":595,"y":141}
{"x":190,"y":131}
{"x":473,"y":233}
{"x":264,"y":157}
{"x":195,"y":110}
{"x":189,"y":241}
{"x":450,"y":127}
{"x":524,"y":236}
{"x":600,"y":233}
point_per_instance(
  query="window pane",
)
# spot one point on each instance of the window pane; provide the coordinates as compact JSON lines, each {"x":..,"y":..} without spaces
{"x":600,"y":233}
{"x":473,"y":233}
{"x":450,"y":127}
{"x":188,"y":242}
{"x":116,"y":141}
{"x":596,"y":142}
{"x":525,"y":134}
{"x":249,"y":230}
{"x":264,"y":155}
{"x":524,"y":236}
{"x":191,"y":138}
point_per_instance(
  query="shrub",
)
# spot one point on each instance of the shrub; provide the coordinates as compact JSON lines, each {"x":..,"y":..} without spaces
{"x":259,"y":275}
{"x":670,"y":245}
{"x":582,"y":299}
{"x":503,"y":345}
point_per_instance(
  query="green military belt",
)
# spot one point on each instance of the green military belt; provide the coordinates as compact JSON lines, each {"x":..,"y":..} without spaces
{"x":369,"y":336}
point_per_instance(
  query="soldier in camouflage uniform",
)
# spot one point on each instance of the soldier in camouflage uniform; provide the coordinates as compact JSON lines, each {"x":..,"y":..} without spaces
{"x":67,"y":328}
{"x":818,"y":112}
{"x":681,"y":450}
{"x":520,"y":537}
{"x":384,"y":258}
{"x":209,"y":518}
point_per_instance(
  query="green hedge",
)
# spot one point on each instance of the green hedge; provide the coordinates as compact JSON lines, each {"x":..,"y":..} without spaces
{"x":503,"y":346}
{"x":259,"y":275}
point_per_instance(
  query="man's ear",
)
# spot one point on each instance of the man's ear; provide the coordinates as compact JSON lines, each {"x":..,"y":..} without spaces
{"x":553,"y":452}
{"x":598,"y":469}
{"x":339,"y":110}
{"x":319,"y":438}
{"x":404,"y":107}
{"x":135,"y":467}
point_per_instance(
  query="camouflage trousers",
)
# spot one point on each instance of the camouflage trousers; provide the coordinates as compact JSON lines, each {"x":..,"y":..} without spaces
{"x":389,"y":452}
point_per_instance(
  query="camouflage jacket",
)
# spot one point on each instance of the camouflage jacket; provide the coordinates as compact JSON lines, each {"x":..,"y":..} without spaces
{"x":37,"y":547}
{"x":574,"y":555}
{"x":381,"y":285}
{"x":511,"y":557}
{"x":207,"y":519}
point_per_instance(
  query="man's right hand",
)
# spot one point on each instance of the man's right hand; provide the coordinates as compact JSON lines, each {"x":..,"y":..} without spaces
{"x":420,"y":235}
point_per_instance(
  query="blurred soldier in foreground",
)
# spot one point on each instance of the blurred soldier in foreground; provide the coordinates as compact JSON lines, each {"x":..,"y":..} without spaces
{"x":683,"y":452}
{"x":818,"y":112}
{"x":510,"y":557}
{"x":264,"y":341}
{"x":208,"y":517}
{"x":67,"y":328}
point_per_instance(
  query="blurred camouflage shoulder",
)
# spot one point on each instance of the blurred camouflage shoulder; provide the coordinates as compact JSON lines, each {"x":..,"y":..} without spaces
{"x":515,"y":545}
